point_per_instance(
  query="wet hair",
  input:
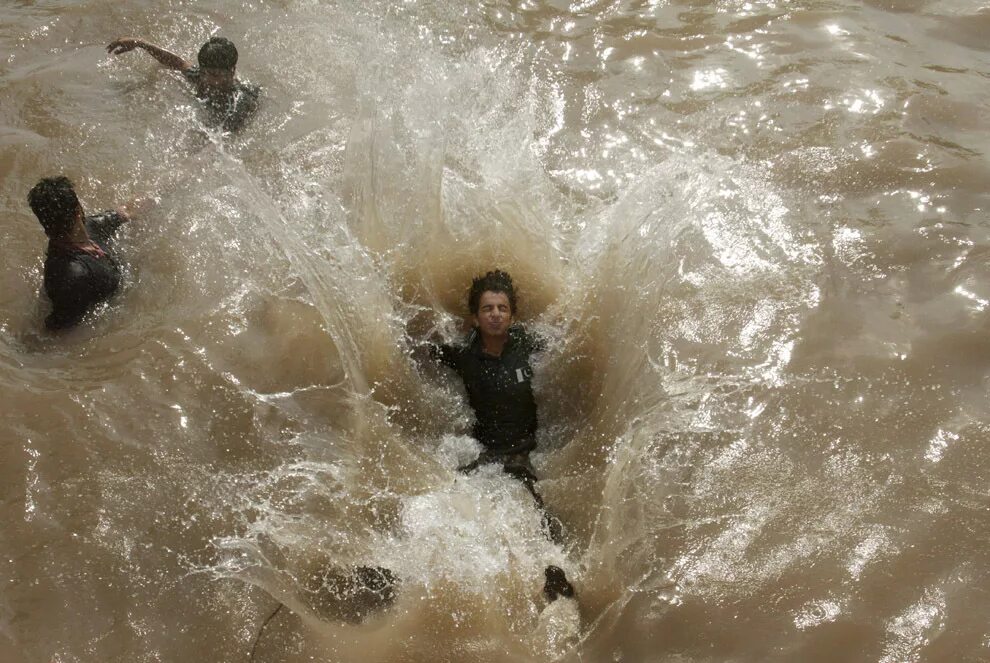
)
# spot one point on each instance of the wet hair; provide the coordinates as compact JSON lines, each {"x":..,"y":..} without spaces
{"x":218,"y":53}
{"x":54,"y":202}
{"x":496,"y":281}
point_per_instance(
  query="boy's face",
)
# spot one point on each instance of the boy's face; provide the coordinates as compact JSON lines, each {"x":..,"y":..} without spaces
{"x":494,"y":314}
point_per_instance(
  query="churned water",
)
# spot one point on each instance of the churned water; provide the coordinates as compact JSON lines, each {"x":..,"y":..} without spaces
{"x":756,"y":234}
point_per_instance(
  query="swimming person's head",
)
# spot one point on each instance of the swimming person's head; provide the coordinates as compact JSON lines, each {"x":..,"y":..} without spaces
{"x":54,"y":202}
{"x":492,"y":301}
{"x":218,"y":53}
{"x":217,"y":64}
{"x":496,"y":282}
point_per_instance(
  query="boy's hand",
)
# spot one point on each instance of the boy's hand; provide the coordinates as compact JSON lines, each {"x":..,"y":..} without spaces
{"x":122,"y":45}
{"x":137,"y":207}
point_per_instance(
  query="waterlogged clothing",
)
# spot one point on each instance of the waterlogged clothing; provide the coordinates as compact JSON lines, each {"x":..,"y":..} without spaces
{"x":499,"y":389}
{"x":77,"y":280}
{"x":500,"y":392}
{"x":231,"y":110}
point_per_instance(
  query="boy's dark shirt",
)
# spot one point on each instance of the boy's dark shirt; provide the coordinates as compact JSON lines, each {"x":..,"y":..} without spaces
{"x":499,"y":389}
{"x":76,"y":281}
{"x":231,"y":111}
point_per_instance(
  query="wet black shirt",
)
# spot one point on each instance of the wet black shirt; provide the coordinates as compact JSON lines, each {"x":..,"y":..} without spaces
{"x":229,"y":111}
{"x":499,"y":389}
{"x":76,"y":281}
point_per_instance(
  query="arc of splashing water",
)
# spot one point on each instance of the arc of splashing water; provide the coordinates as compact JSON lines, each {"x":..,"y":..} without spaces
{"x":331,"y":309}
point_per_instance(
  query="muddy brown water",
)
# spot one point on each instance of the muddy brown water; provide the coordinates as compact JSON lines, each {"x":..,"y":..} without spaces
{"x":755,"y":233}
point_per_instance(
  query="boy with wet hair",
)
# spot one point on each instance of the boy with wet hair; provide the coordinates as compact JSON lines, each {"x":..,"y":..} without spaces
{"x":494,"y":363}
{"x":81,"y":270}
{"x":495,"y":281}
{"x":229,"y":102}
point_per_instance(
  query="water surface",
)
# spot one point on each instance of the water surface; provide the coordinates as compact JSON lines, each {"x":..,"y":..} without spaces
{"x":756,"y":233}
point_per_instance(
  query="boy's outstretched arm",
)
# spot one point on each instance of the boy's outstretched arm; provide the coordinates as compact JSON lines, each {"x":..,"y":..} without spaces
{"x":167,"y":58}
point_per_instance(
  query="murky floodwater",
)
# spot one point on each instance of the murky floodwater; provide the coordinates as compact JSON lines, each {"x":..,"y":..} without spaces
{"x":755,"y":231}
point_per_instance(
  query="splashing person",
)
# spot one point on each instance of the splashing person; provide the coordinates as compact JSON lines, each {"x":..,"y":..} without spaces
{"x":81,"y":270}
{"x":229,"y":101}
{"x":494,"y":363}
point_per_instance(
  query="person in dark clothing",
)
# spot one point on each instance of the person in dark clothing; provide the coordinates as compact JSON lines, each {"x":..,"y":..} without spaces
{"x":81,"y":270}
{"x":494,"y":363}
{"x":498,"y":385}
{"x":229,"y":102}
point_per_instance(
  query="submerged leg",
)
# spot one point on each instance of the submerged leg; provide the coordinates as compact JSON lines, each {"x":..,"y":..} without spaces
{"x":553,"y":529}
{"x":525,"y":475}
{"x":351,"y":595}
{"x":483,"y":458}
{"x":518,"y":467}
{"x":523,"y":471}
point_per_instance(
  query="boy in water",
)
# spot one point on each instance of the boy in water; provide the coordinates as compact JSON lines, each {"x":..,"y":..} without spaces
{"x":229,"y":101}
{"x":494,"y":364}
{"x":81,"y":270}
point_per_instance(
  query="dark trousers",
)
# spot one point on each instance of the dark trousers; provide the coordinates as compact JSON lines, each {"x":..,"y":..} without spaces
{"x":516,"y":465}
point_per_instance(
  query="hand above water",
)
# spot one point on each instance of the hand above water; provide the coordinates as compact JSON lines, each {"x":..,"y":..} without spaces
{"x":138,"y":207}
{"x":123,"y":45}
{"x":164,"y":56}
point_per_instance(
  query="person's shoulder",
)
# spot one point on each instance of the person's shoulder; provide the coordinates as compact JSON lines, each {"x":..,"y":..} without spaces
{"x":66,"y":272}
{"x":64,"y":263}
{"x":527,"y":339}
{"x":106,"y":216}
{"x":249,"y":89}
{"x":103,"y":225}
{"x":76,"y":269}
{"x":245,"y":105}
{"x":452,"y":354}
{"x":470,"y":342}
{"x":246,"y":96}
